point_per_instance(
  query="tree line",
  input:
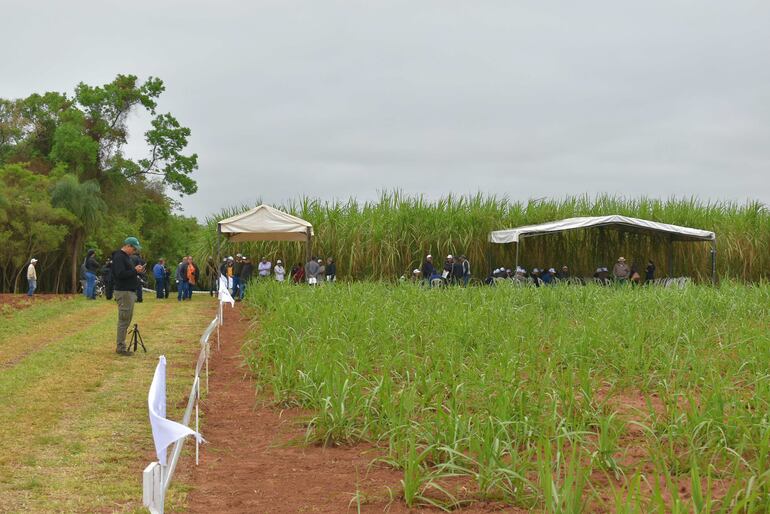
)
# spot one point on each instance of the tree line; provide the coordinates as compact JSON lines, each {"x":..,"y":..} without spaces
{"x":66,"y":183}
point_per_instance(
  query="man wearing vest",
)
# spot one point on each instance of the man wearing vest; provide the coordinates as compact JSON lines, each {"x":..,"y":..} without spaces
{"x":125,"y":277}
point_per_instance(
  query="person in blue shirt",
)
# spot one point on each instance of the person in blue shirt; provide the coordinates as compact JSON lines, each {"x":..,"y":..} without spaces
{"x":159,"y":272}
{"x":547,"y":276}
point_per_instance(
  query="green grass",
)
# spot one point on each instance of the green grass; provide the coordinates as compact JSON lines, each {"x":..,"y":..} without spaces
{"x":553,"y":398}
{"x":75,"y":435}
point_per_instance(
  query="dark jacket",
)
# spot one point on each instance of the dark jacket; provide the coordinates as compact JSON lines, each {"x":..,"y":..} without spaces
{"x":237,"y":269}
{"x":649,"y":272}
{"x":92,"y":265}
{"x":457,"y":270}
{"x":331,"y":269}
{"x":427,"y":269}
{"x":124,"y":276}
{"x":247,"y":270}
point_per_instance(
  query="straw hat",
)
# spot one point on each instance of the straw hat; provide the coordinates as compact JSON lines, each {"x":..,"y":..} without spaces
{"x":621,"y":259}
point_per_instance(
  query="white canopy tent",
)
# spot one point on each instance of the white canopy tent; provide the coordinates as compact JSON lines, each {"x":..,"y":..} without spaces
{"x":674,"y":232}
{"x":265,"y":223}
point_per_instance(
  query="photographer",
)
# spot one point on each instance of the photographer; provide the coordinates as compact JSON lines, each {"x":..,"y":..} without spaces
{"x":124,"y":279}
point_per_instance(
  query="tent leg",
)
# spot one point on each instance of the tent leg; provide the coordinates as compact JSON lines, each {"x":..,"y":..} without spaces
{"x":714,"y":263}
{"x":308,"y":248}
{"x":219,"y":243}
{"x":670,"y":258}
{"x":517,"y":253}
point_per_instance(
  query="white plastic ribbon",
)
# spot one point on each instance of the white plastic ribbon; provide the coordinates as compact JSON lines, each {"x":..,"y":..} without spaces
{"x":164,"y":431}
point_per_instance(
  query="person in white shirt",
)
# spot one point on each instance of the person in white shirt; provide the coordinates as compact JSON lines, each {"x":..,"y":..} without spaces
{"x":31,"y":277}
{"x":264,"y":267}
{"x":280,"y":271}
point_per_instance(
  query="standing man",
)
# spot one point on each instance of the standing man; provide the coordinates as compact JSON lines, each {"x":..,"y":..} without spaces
{"x":159,"y":272}
{"x":246,"y":272}
{"x":166,"y":280}
{"x":31,"y":277}
{"x":124,"y":279}
{"x":237,"y":267}
{"x":466,"y":270}
{"x":91,"y":266}
{"x":457,"y":271}
{"x":280,"y":271}
{"x":621,"y":271}
{"x":331,"y":270}
{"x":107,"y":279}
{"x":180,"y":279}
{"x":311,"y":271}
{"x":427,"y":269}
{"x":264,"y":268}
{"x":192,"y":275}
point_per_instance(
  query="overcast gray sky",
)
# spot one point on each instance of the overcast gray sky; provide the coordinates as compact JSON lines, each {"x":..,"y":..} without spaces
{"x":335,"y":99}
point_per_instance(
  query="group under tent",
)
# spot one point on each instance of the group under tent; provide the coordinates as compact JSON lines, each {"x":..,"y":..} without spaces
{"x":265,"y":223}
{"x":572,"y":231}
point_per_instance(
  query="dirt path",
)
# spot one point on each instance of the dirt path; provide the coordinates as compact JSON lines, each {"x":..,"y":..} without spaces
{"x":250,"y":464}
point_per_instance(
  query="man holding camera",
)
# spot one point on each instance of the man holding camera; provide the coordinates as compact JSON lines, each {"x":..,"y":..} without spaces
{"x":124,"y":278}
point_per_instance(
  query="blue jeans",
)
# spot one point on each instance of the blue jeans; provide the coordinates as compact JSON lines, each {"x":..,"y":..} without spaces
{"x":159,"y":288}
{"x":180,"y":290}
{"x":236,"y":287}
{"x":188,"y":289}
{"x":90,"y":282}
{"x":32,"y":287}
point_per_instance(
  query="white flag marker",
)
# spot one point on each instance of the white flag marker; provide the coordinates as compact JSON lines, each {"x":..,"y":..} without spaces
{"x":224,"y":294}
{"x":164,"y":431}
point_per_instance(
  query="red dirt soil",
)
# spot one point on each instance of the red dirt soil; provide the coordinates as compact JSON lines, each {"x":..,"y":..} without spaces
{"x":255,"y":460}
{"x":22,"y":301}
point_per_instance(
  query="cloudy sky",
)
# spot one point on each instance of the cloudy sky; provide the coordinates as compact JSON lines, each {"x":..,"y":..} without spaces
{"x":347,"y":98}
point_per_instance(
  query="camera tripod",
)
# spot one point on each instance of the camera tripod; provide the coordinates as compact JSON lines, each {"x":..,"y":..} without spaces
{"x":136,"y":339}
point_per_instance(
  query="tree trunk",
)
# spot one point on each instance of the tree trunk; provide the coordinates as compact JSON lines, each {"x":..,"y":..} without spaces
{"x":58,"y":276}
{"x":77,"y":240}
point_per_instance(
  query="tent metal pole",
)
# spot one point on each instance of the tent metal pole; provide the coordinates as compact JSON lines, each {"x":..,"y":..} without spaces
{"x":714,"y":262}
{"x":671,"y":257}
{"x":219,"y":242}
{"x":308,"y":248}
{"x":517,"y":252}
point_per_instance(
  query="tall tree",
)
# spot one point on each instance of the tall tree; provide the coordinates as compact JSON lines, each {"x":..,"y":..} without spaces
{"x":84,"y":201}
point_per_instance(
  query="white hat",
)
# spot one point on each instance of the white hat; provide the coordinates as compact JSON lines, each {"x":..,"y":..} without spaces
{"x":551,"y":270}
{"x":279,"y":261}
{"x":230,"y":258}
{"x":621,"y":259}
{"x":238,"y":255}
{"x":416,"y":271}
{"x":33,"y":260}
{"x":598,"y":270}
{"x":535,"y":270}
{"x":429,"y":256}
{"x":449,"y":256}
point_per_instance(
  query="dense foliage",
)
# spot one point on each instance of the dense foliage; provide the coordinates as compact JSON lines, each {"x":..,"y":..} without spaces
{"x":626,"y":399}
{"x":67,"y":184}
{"x":390,"y":237}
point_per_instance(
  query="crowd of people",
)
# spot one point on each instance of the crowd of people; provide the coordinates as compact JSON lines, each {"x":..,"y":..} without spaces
{"x":621,"y":273}
{"x":457,"y":271}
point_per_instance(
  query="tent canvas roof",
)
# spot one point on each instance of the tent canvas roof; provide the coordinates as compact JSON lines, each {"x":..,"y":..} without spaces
{"x":265,"y":223}
{"x":676,"y":232}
